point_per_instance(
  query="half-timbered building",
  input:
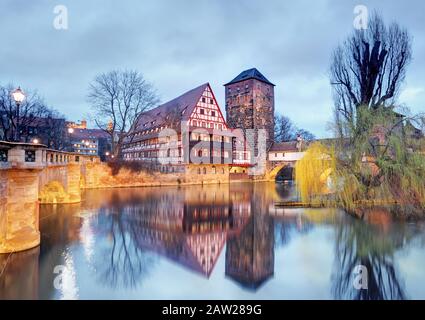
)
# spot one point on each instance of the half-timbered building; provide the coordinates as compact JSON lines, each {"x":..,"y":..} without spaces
{"x":189,"y":129}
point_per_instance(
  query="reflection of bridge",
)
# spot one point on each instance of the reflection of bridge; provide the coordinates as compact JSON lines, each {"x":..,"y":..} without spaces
{"x":31,"y":174}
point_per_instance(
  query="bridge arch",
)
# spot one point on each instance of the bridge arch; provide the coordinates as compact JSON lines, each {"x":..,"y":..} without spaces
{"x":282,"y":169}
{"x":53,"y":192}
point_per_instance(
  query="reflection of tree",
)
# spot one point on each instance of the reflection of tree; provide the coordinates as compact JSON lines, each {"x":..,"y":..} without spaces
{"x":288,"y":227}
{"x":123,"y":262}
{"x":363,"y":244}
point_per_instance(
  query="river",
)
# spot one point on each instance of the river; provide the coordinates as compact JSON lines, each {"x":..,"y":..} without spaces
{"x":213,"y":242}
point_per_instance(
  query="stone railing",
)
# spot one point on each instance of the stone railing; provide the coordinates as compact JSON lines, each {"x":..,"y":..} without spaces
{"x":28,"y":155}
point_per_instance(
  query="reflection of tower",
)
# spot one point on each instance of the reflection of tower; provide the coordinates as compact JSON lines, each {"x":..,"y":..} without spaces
{"x":250,"y":256}
{"x":250,"y":104}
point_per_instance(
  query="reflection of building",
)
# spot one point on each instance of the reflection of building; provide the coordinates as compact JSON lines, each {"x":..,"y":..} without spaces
{"x":250,"y":255}
{"x":191,"y":232}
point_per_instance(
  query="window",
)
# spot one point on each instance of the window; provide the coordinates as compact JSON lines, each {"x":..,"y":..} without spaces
{"x":211,"y":101}
{"x":205,"y":170}
{"x":212,"y":113}
{"x":203,"y":100}
{"x":3,"y":155}
{"x":29,"y":155}
{"x":214,"y":170}
{"x":201,"y":111}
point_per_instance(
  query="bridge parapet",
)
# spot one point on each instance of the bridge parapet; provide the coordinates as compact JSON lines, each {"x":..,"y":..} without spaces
{"x":30,"y":174}
{"x":37,"y":156}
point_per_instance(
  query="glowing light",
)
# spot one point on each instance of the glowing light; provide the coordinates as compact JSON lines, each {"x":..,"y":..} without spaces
{"x":35,"y":141}
{"x":18,"y":96}
{"x":70,"y":130}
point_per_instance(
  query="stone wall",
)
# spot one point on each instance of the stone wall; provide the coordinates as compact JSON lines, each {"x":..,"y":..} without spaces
{"x":100,"y":175}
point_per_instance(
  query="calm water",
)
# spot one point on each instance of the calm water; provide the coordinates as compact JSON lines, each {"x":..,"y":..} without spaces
{"x":213,"y":242}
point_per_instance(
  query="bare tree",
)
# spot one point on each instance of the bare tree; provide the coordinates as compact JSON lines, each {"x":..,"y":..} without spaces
{"x":368,"y":68}
{"x":306,"y":135}
{"x":284,"y":129}
{"x":29,"y":110}
{"x":117,"y":98}
{"x":54,"y":133}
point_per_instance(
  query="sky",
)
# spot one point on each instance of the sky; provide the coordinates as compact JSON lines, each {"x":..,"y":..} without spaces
{"x":180,"y":44}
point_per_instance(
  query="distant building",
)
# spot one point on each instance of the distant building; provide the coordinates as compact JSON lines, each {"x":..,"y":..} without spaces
{"x":76,"y":125}
{"x":91,"y":142}
{"x":188,"y":129}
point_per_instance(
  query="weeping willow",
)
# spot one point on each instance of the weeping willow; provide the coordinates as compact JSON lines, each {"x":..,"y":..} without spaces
{"x":377,"y":163}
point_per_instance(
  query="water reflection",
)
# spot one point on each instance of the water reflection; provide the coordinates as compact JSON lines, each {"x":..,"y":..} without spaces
{"x":119,"y":240}
{"x":374,"y":246}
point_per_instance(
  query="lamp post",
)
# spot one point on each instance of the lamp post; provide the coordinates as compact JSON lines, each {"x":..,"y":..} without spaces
{"x":18,"y":96}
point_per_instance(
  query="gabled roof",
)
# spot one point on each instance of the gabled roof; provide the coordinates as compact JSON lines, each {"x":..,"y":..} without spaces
{"x":250,"y":74}
{"x":186,"y":102}
{"x":286,"y":146}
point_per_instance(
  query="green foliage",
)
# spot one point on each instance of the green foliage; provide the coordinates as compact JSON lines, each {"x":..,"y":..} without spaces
{"x":375,"y":162}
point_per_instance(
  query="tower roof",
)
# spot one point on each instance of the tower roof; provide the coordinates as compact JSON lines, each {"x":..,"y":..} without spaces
{"x":250,"y":74}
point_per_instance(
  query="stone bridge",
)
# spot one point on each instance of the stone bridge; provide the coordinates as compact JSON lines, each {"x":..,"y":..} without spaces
{"x":279,"y":161}
{"x":31,"y":174}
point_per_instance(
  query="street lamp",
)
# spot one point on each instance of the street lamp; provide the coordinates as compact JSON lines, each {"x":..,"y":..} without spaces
{"x":35,"y":141}
{"x":18,"y":96}
{"x":71,"y":130}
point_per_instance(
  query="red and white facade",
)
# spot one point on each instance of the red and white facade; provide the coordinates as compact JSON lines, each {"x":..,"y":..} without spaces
{"x":188,"y":129}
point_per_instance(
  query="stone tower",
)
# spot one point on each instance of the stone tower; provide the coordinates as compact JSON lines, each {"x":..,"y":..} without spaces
{"x":250,"y":104}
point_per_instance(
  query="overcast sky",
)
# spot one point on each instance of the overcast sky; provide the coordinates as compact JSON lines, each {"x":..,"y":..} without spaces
{"x":179,"y":44}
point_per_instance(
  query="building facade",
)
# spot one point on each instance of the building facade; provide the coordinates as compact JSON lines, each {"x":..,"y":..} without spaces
{"x":90,"y":142}
{"x":189,"y":129}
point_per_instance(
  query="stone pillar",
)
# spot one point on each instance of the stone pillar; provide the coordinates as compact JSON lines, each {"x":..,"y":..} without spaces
{"x":73,"y":182}
{"x":19,"y":215}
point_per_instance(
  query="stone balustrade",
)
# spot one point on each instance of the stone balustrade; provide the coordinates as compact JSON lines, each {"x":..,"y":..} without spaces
{"x":31,"y":174}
